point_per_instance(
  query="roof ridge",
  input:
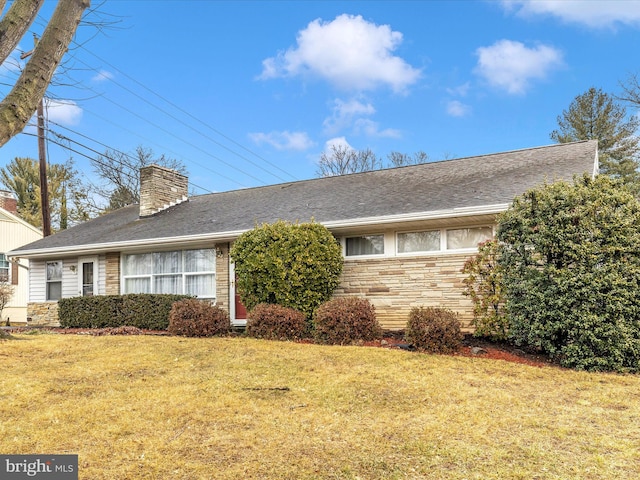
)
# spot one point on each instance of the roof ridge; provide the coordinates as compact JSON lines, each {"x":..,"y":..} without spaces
{"x":370,"y":172}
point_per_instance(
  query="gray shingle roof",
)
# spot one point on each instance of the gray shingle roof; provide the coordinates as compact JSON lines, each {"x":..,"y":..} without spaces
{"x":438,"y":186}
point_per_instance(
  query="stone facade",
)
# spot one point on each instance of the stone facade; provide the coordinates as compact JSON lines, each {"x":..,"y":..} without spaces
{"x":161,"y":188}
{"x":113,"y":273}
{"x":395,"y":285}
{"x":222,"y":276}
{"x":43,"y":314}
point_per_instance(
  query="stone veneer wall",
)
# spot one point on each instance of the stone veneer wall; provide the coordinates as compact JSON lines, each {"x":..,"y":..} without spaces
{"x":112,"y":261}
{"x":222,"y":276}
{"x":43,"y":314}
{"x":395,"y":285}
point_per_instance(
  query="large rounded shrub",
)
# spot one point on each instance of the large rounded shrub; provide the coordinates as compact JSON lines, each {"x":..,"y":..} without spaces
{"x":346,"y":320}
{"x":197,"y":318}
{"x":275,"y":322}
{"x":570,"y":255}
{"x":293,"y":265}
{"x":435,"y":330}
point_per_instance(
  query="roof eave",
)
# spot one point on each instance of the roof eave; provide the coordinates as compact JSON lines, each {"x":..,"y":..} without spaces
{"x":186,"y":240}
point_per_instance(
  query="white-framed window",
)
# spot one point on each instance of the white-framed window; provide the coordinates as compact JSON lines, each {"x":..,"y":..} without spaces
{"x":461,"y":238}
{"x":54,"y":280}
{"x":364,"y":245}
{"x":4,"y":268}
{"x":190,"y":272}
{"x":425,"y":241}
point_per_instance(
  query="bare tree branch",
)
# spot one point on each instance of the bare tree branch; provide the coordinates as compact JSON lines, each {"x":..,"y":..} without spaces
{"x":343,"y":160}
{"x":15,"y":23}
{"x":19,"y":105}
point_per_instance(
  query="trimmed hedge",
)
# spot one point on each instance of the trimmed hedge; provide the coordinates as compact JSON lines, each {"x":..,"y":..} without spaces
{"x":346,"y":320}
{"x":293,"y":265}
{"x":144,"y":310}
{"x":196,"y":318}
{"x":434,"y":330}
{"x":275,"y":322}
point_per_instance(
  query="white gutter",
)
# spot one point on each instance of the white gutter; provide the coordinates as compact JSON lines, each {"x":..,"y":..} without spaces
{"x":230,"y":235}
{"x":421,"y":216}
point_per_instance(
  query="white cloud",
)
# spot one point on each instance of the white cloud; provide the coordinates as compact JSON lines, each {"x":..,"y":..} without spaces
{"x":512,"y":66}
{"x":344,"y":113}
{"x":372,"y":129}
{"x":338,"y":142}
{"x":591,"y":13}
{"x":348,"y":52}
{"x":65,"y":112}
{"x":458,"y":109}
{"x":285,"y":140}
{"x":102,"y":76}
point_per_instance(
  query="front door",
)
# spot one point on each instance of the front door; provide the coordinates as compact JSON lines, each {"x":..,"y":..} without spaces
{"x":87,"y":276}
{"x":238,"y":310}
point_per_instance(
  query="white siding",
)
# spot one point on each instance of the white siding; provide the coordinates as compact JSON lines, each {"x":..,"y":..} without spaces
{"x":102,"y":275}
{"x":70,"y":278}
{"x":13,"y":234}
{"x":37,"y":280}
{"x":37,"y":288}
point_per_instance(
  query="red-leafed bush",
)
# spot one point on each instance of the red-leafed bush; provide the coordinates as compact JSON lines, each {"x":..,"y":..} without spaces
{"x":197,"y":318}
{"x":343,"y":321}
{"x":275,"y":322}
{"x":435,"y":330}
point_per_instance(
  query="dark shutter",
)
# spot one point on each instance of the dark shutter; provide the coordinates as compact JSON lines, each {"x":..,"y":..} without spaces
{"x":14,"y":273}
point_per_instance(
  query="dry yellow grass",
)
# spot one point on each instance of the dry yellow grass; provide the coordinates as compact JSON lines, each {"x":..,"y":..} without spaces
{"x":143,"y":407}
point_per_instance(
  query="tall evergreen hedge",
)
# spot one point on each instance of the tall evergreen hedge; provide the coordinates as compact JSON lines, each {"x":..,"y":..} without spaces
{"x":570,"y":258}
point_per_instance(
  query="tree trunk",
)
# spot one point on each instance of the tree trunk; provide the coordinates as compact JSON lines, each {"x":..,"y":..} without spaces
{"x":19,"y":105}
{"x":15,"y":23}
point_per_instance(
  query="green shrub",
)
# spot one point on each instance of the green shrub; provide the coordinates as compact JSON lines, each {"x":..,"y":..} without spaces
{"x":197,"y":318}
{"x":293,"y":265}
{"x":571,"y":263}
{"x":484,"y":285}
{"x":144,"y":311}
{"x":435,"y":330}
{"x":275,"y":322}
{"x":343,"y":321}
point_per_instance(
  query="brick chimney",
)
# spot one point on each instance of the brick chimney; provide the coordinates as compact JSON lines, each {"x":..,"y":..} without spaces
{"x":161,"y":188}
{"x":8,"y":202}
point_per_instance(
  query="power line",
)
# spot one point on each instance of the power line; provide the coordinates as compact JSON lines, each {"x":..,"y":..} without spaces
{"x":190,"y":116}
{"x":96,"y":160}
{"x":187,"y":143}
{"x":73,"y":57}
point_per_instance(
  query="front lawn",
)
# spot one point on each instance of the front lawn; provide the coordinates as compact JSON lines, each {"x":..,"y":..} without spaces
{"x":146,"y":407}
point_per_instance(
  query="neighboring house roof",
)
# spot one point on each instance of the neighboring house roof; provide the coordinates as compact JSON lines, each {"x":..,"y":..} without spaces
{"x":482,"y":184}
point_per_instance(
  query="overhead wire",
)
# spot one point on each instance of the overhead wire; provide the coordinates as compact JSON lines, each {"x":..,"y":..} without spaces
{"x":173,"y":105}
{"x":177,"y":107}
{"x":170,"y":115}
{"x":101,"y":155}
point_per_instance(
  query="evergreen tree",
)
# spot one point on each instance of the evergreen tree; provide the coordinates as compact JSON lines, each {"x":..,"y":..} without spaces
{"x":68,"y":197}
{"x":596,"y":115}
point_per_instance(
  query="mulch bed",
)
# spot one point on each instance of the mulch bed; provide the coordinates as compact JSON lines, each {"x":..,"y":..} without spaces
{"x":478,"y":348}
{"x":471,"y":346}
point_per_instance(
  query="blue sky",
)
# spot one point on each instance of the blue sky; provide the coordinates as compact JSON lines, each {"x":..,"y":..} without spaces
{"x":249,"y":93}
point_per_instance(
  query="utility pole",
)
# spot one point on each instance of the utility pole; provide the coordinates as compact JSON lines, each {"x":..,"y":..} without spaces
{"x":42,"y":155}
